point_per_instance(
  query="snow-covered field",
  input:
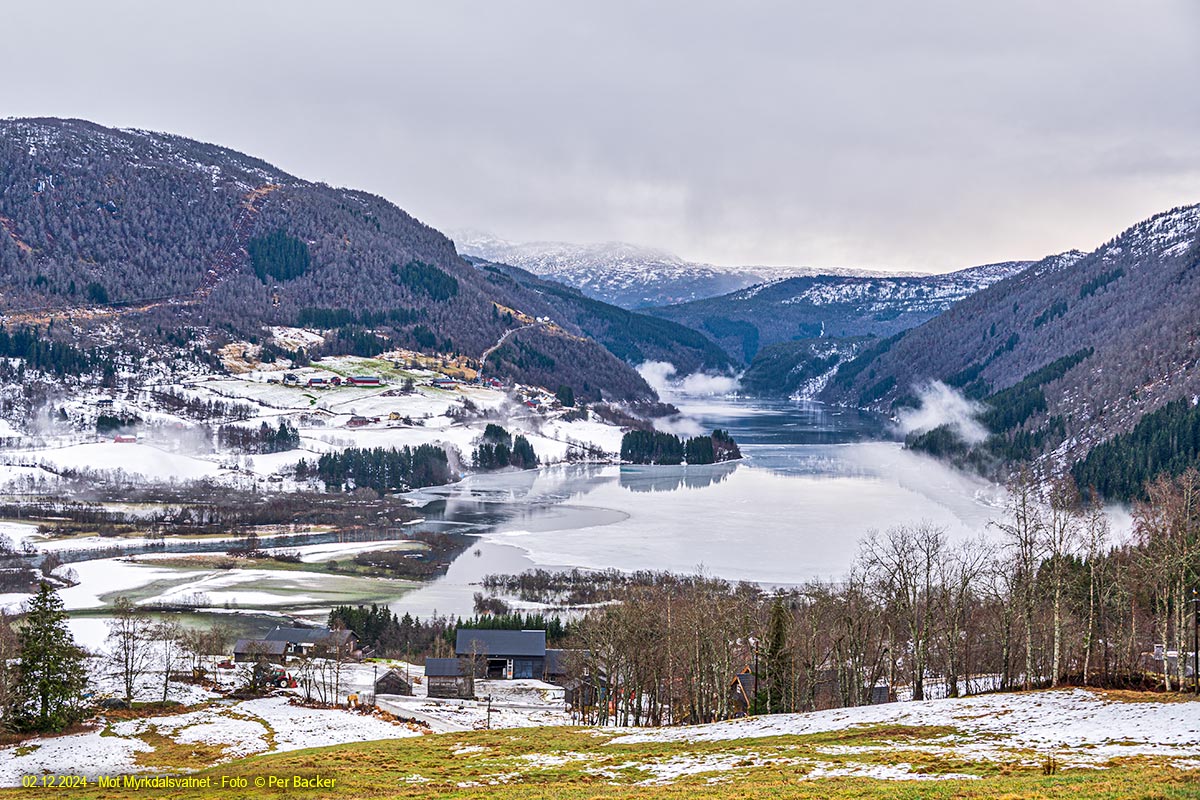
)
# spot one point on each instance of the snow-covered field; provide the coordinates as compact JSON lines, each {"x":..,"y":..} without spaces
{"x":1080,"y":728}
{"x":273,"y":724}
{"x":236,"y":728}
{"x":964,"y":740}
{"x":515,"y":704}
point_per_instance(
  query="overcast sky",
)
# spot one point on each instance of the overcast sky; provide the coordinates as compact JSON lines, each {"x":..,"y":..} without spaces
{"x":916,"y":135}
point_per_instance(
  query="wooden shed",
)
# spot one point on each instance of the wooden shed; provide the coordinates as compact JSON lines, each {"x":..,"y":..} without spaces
{"x":393,"y":682}
{"x":449,"y":677}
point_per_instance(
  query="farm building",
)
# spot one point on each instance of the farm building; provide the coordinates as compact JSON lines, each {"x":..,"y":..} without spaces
{"x":318,"y":383}
{"x":444,"y":383}
{"x":503,"y":654}
{"x":366,"y":380}
{"x":320,"y":642}
{"x":741,"y":692}
{"x":449,"y":677}
{"x":359,"y":422}
{"x":252,"y":650}
{"x":125,"y":438}
{"x":560,"y":664}
{"x":568,"y":669}
{"x":393,"y":682}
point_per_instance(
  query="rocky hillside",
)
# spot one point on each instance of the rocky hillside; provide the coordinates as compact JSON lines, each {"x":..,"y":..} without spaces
{"x":829,"y":306}
{"x":175,"y":235}
{"x":1065,"y":354}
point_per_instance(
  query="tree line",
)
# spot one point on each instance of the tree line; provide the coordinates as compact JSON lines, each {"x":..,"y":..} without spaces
{"x":1166,"y":441}
{"x":263,"y":439}
{"x":1049,"y":600}
{"x":406,"y":636}
{"x":37,"y":350}
{"x":382,"y":469}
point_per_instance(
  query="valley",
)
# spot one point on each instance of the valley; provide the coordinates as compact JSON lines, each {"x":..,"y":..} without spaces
{"x":283,"y":467}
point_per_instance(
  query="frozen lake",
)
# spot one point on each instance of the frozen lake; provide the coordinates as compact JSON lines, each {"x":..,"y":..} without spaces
{"x":812,"y":483}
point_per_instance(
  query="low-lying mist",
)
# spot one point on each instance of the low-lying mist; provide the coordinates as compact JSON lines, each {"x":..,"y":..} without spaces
{"x":661,"y":377}
{"x":943,"y":405}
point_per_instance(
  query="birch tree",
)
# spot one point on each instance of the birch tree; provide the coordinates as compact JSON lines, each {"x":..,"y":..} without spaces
{"x":1022,"y":527}
{"x":130,"y":642}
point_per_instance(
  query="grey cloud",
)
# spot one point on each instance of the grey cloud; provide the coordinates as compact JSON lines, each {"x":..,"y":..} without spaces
{"x":921,"y":135}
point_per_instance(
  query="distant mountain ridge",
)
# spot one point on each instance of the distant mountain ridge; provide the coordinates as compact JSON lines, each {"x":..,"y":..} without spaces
{"x":624,"y":274}
{"x":831,"y":306}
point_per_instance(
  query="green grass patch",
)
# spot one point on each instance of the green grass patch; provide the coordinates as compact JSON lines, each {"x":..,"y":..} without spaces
{"x":583,"y":763}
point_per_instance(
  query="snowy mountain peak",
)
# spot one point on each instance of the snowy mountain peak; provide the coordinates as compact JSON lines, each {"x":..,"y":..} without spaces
{"x":630,"y":275}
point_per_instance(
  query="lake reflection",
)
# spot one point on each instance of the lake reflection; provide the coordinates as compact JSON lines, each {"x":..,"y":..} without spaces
{"x":812,"y":483}
{"x":670,"y":479}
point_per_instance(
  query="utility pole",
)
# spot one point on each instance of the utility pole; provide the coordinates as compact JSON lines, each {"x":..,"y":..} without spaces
{"x":1195,"y":641}
{"x":489,"y":712}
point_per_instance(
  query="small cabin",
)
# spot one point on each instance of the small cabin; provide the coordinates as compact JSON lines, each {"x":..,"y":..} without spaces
{"x":741,"y":692}
{"x":449,"y":678}
{"x":393,"y":682}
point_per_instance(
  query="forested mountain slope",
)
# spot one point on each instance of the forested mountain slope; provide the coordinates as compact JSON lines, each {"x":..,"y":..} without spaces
{"x":631,"y":336}
{"x":184,"y":234}
{"x":1067,"y":353}
{"x":836,"y":306}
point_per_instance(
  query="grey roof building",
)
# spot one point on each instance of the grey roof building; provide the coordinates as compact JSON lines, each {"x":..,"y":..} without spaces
{"x":445,"y":667}
{"x":307,"y":641}
{"x":449,"y":677}
{"x":254,"y":649}
{"x":475,"y":641}
{"x":503,"y":654}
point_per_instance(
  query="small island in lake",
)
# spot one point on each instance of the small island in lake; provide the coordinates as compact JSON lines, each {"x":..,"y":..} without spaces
{"x":656,"y":447}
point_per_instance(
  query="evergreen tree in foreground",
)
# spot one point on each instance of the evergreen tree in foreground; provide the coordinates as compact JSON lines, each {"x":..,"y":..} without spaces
{"x":51,"y":675}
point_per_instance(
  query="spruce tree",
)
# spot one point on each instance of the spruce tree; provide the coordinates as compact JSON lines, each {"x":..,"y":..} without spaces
{"x":776,"y":659}
{"x":51,"y":672}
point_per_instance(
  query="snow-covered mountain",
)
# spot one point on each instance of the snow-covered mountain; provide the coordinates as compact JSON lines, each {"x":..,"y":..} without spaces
{"x":624,"y":274}
{"x":814,"y":306}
